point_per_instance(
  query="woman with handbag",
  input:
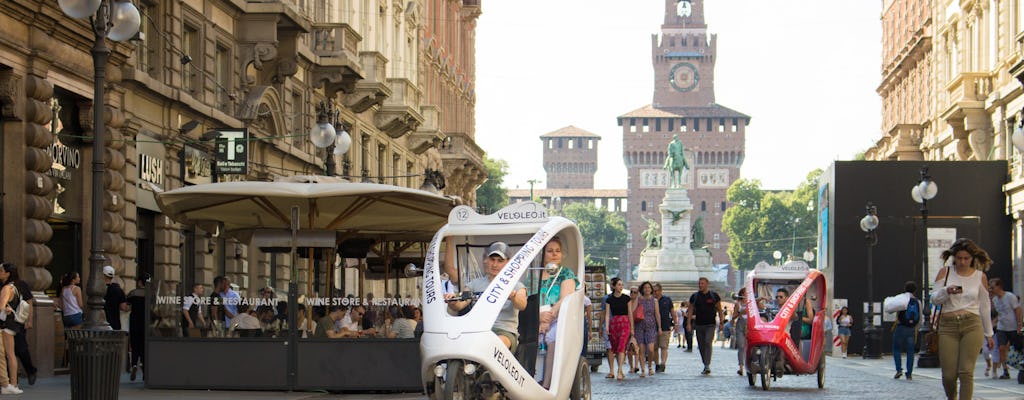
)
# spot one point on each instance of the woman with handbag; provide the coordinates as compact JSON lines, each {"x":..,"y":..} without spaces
{"x":9,"y":298}
{"x":648,"y":326}
{"x":617,"y":317}
{"x":965,"y":319}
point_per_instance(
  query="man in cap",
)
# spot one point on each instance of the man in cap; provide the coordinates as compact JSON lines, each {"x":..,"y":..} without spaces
{"x":506,"y":326}
{"x":115,"y":300}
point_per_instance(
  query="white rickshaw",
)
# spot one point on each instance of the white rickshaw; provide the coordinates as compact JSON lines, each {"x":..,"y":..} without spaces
{"x":462,"y":357}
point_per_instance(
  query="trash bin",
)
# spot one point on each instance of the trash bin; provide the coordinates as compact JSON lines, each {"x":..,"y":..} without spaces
{"x":97,"y":357}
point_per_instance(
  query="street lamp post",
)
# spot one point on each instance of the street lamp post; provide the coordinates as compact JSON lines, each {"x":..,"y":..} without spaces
{"x":792,"y":249}
{"x":329,"y":133}
{"x":925,"y":190}
{"x":872,"y":338}
{"x":777,"y":255}
{"x":532,"y":182}
{"x":119,"y":21}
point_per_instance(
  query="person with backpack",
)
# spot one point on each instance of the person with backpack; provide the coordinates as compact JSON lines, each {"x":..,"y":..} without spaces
{"x":904,"y":331}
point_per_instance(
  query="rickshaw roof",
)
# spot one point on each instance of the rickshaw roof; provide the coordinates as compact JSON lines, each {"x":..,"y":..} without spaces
{"x":792,"y":270}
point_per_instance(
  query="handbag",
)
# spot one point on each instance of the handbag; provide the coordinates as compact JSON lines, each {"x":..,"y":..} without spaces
{"x":638,"y":313}
{"x":21,"y":313}
{"x":931,"y":339}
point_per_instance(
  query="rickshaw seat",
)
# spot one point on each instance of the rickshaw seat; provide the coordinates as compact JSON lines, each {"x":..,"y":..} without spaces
{"x":529,"y":326}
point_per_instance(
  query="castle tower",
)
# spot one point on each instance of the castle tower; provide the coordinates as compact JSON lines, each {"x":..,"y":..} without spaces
{"x":570,"y":158}
{"x":683,"y":58}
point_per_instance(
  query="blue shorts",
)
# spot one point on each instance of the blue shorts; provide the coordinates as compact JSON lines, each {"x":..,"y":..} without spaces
{"x":72,"y":320}
{"x":845,"y":331}
{"x":1005,"y":337}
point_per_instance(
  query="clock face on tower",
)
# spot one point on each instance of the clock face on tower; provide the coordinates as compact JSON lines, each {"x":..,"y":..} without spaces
{"x":683,"y":77}
{"x":683,"y":8}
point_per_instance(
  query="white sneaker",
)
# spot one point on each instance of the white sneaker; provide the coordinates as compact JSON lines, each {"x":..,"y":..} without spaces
{"x":10,"y":389}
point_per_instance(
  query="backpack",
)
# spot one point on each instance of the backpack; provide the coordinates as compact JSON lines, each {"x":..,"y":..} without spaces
{"x":912,"y":315}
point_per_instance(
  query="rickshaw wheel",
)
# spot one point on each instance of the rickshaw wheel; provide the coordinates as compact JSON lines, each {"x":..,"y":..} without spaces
{"x":581,"y":383}
{"x":821,"y":372}
{"x":456,"y":385}
{"x":766,"y":371}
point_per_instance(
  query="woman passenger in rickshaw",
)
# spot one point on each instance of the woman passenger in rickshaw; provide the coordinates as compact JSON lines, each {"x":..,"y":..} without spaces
{"x":557,"y":282}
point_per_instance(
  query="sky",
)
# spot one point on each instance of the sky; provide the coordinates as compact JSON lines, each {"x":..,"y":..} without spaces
{"x":805,"y":71}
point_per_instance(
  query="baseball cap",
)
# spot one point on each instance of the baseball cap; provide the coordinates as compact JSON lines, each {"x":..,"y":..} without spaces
{"x":499,"y":249}
{"x":108,"y":271}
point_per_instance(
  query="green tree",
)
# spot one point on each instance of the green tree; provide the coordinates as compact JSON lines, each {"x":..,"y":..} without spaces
{"x":491,"y":196}
{"x":761,"y":222}
{"x":742,"y":221}
{"x":604,"y":234}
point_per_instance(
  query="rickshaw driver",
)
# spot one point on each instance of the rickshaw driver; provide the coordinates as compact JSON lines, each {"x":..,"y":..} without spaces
{"x":506,"y":326}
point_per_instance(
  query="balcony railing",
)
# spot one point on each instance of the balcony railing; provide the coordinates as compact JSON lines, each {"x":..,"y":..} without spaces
{"x":335,"y":40}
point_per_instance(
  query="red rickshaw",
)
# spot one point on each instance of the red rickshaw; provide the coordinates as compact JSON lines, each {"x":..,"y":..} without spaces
{"x":771,"y":349}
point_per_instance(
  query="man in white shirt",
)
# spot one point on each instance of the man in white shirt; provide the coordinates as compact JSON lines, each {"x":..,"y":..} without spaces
{"x":1008,"y":323}
{"x":192,"y":312}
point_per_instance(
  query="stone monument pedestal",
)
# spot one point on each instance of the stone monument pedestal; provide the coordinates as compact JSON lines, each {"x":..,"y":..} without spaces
{"x":674,"y":261}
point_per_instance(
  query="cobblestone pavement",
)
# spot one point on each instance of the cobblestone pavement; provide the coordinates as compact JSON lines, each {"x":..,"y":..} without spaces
{"x":852,"y":378}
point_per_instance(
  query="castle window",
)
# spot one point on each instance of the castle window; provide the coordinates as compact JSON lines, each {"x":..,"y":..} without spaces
{"x":721,"y":125}
{"x":682,"y":125}
{"x":643,"y":205}
{"x":723,"y":206}
{"x":671,"y":124}
{"x":559,"y":143}
{"x":590,"y":144}
{"x":550,"y":143}
{"x":657,"y":124}
{"x":703,"y":205}
{"x":571,"y":142}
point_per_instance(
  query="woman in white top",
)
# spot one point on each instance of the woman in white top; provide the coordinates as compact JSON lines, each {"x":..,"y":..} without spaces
{"x":965,"y":320}
{"x":70,"y":301}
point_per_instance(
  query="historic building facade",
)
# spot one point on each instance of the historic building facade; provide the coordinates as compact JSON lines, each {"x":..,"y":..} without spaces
{"x":952,"y":72}
{"x":400,"y":75}
{"x":683,"y":57}
{"x":570,"y":158}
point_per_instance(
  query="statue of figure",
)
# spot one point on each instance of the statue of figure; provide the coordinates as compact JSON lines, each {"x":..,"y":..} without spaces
{"x":652,"y":236}
{"x":676,"y":163}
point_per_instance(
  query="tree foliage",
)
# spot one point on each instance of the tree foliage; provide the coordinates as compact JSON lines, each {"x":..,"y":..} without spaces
{"x":604,"y":233}
{"x":760,"y":222}
{"x":491,"y":196}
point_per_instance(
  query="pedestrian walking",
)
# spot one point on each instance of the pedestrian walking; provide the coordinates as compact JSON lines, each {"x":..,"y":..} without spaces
{"x":705,"y":306}
{"x":9,"y":300}
{"x":904,"y":331}
{"x":618,"y":318}
{"x":667,"y":322}
{"x":739,"y":323}
{"x":137,"y":325}
{"x":21,"y":339}
{"x":687,"y":328}
{"x":632,"y":348}
{"x":648,"y":326}
{"x":844,"y":322}
{"x":965,"y":320}
{"x":679,"y":317}
{"x":70,"y":301}
{"x":1008,"y":323}
{"x":114,"y":300}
